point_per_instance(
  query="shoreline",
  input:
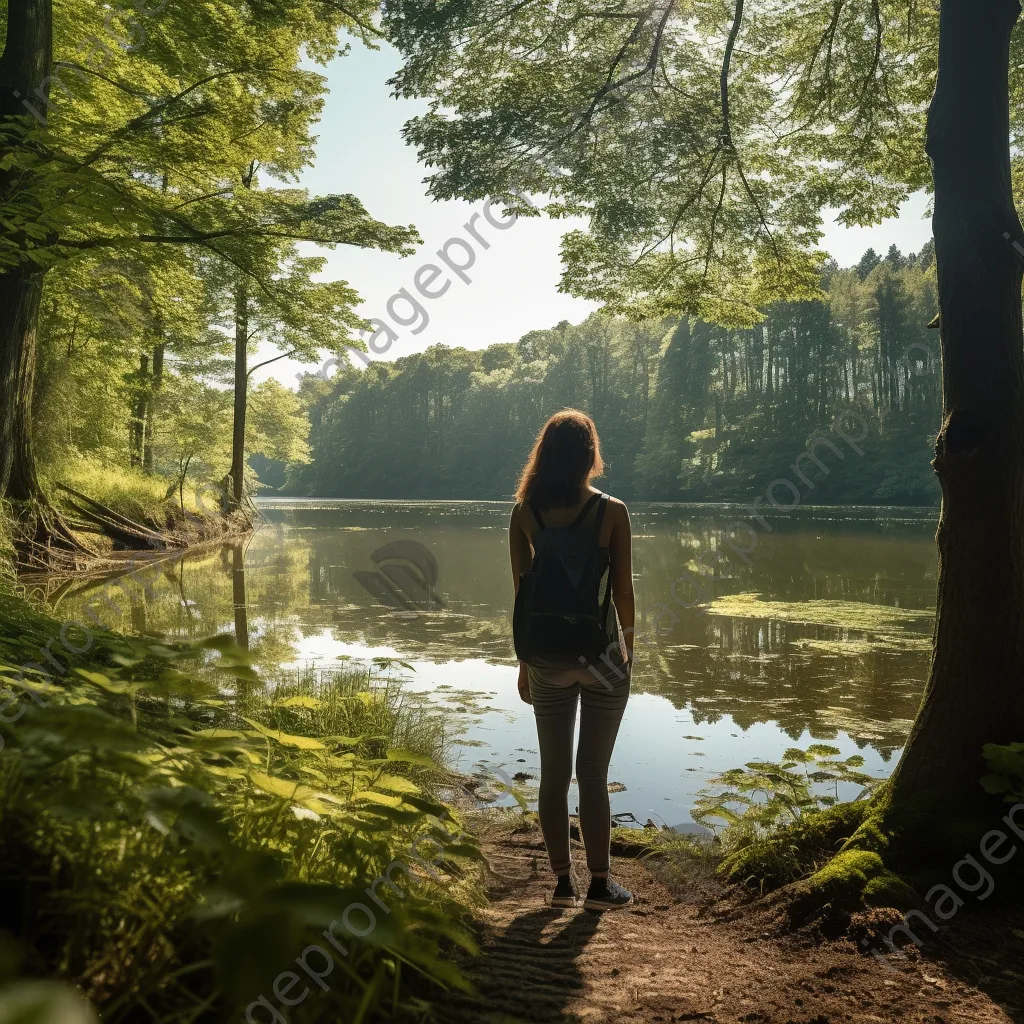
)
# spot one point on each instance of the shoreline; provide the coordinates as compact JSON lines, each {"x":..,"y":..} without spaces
{"x":180,"y":537}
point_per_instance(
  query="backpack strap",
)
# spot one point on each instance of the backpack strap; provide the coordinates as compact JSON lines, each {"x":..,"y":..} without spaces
{"x":584,"y":512}
{"x":606,"y":604}
{"x":600,"y":513}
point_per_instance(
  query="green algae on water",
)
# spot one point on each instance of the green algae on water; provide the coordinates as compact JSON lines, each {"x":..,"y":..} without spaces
{"x":855,"y":615}
{"x":864,"y":645}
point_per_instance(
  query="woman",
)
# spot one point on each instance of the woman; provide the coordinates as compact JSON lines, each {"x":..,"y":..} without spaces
{"x":568,"y":539}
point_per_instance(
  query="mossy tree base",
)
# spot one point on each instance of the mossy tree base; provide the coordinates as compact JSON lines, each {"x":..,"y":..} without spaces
{"x":874,"y":854}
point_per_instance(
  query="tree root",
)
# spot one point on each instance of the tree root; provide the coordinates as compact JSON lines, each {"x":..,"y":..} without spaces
{"x":118,"y":527}
{"x":44,"y":539}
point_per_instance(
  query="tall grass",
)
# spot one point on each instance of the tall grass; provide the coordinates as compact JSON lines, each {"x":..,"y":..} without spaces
{"x":7,"y":552}
{"x":173,"y":834}
{"x":357,"y":701}
{"x":129,"y":491}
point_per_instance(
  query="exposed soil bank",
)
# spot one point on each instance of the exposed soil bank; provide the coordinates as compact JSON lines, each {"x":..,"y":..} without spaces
{"x":698,"y":956}
{"x":109,"y":556}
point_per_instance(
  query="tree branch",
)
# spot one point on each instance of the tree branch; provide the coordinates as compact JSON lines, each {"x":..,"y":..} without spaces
{"x":369,"y":29}
{"x":81,"y":69}
{"x":154,"y":110}
{"x":609,"y":85}
{"x":727,"y":142}
{"x":267,"y":362}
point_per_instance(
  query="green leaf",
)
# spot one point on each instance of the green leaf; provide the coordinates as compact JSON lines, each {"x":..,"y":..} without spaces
{"x":996,"y":784}
{"x":396,"y":784}
{"x":287,"y":739}
{"x":823,"y":750}
{"x":410,"y":757}
{"x":797,"y":755}
{"x":44,"y":1002}
{"x":285,"y":789}
{"x":300,"y":701}
{"x":106,"y":683}
{"x":373,"y":797}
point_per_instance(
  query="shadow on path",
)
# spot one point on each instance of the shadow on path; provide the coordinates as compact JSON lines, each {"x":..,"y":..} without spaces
{"x":530,"y":970}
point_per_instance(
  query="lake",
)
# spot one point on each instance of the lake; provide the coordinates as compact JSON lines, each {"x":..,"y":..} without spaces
{"x":824,"y":636}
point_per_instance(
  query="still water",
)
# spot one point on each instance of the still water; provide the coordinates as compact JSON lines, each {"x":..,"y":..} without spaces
{"x":823,"y":636}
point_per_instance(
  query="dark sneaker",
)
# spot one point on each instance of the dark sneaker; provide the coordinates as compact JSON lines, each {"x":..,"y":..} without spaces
{"x":565,"y":894}
{"x":607,"y":895}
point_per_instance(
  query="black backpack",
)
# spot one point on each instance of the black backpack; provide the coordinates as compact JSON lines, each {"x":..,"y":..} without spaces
{"x":560,"y":618}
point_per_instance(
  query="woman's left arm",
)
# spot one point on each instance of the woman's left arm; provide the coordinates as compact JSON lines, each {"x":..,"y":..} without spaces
{"x":519,"y":548}
{"x":620,"y":549}
{"x":521,"y":554}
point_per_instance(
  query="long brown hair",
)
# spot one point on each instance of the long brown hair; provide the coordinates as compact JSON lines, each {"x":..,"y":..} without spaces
{"x":565,"y":457}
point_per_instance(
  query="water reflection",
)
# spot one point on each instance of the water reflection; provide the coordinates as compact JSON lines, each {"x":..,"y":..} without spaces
{"x":330,"y":579}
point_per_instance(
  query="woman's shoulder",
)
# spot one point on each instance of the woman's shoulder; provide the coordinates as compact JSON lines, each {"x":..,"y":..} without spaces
{"x":617,"y":513}
{"x":614,"y":504}
{"x":518,"y":514}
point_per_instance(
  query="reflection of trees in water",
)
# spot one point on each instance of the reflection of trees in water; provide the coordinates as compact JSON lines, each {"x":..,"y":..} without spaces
{"x":157,"y":597}
{"x":256,"y":598}
{"x":298,"y":579}
{"x":749,"y":670}
{"x":238,"y":598}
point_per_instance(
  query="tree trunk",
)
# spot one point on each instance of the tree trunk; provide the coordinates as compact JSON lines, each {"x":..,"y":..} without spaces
{"x":237,"y":473}
{"x":24,"y":91}
{"x":975,"y":693}
{"x":19,"y":313}
{"x":140,"y":411}
{"x":156,"y":382}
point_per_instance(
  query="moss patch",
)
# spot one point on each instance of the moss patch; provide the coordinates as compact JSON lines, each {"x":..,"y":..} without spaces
{"x":845,"y":876}
{"x":887,"y":889}
{"x":768,"y":861}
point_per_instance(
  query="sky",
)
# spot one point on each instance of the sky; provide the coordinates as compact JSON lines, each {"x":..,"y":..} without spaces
{"x":512,"y":285}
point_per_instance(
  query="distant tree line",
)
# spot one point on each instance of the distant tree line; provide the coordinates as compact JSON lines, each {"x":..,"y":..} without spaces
{"x":688,"y":411}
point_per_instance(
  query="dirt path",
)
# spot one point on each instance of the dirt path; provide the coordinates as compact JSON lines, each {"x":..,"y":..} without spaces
{"x":669,"y":960}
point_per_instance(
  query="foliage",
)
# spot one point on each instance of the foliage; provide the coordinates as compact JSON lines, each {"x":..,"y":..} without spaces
{"x":230,"y":831}
{"x":686,"y":410}
{"x":770,"y":793}
{"x":135,"y":189}
{"x":792,"y":851}
{"x":276,"y":426}
{"x":225,"y":87}
{"x":1007,"y":771}
{"x":777,"y":821}
{"x":700,"y":141}
{"x":356,"y":702}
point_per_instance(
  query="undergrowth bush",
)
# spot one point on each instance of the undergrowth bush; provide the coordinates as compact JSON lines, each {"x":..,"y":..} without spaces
{"x":173,"y":834}
{"x":780,"y":821}
{"x":1006,"y":777}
